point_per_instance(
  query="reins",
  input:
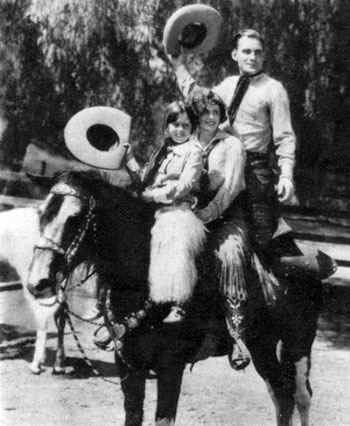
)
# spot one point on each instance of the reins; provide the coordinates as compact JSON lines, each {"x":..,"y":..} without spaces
{"x":116,"y":330}
{"x":45,"y":243}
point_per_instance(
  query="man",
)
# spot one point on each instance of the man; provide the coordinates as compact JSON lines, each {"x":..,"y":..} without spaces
{"x":259,"y":115}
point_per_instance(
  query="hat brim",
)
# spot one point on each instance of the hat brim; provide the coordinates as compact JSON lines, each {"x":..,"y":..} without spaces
{"x":192,"y":14}
{"x":75,"y":135}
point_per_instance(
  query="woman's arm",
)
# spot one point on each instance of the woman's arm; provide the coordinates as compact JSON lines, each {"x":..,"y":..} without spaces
{"x":233,"y":181}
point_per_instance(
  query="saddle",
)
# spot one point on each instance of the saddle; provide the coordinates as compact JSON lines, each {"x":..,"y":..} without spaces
{"x":294,"y":258}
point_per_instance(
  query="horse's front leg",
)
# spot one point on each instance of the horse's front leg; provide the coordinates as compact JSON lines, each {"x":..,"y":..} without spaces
{"x":39,"y":352}
{"x":169,"y":387}
{"x":133,"y":384}
{"x":60,"y":321}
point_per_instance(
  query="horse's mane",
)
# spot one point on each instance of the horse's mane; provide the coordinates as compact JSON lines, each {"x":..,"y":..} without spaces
{"x":91,"y":182}
{"x":123,"y":221}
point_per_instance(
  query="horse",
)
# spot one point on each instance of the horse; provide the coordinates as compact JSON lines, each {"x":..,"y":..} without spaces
{"x":85,"y":218}
{"x":19,"y":230}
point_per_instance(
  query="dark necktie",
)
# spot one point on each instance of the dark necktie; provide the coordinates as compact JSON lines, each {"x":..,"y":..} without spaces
{"x":241,"y":88}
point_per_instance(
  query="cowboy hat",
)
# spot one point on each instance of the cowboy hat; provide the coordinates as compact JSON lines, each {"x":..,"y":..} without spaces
{"x":99,"y":136}
{"x":196,"y":28}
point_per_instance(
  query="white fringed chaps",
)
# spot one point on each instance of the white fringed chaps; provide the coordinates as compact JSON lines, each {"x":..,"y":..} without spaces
{"x":178,"y":237}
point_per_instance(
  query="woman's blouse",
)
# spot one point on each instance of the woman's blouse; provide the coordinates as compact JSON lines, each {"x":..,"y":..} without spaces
{"x":226,"y":162}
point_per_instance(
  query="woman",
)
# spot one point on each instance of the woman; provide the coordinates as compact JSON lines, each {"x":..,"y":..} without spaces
{"x":218,"y":206}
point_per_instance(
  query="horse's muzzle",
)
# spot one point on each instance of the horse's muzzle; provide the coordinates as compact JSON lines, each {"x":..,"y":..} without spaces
{"x":44,"y":289}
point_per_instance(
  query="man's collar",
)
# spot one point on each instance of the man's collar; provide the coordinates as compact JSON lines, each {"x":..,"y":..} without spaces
{"x":253,"y":77}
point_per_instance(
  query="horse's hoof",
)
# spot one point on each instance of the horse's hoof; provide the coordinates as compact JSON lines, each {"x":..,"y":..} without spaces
{"x":35,"y":369}
{"x":58,"y":371}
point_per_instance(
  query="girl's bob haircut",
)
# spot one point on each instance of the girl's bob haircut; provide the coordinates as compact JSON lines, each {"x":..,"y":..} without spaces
{"x":175,"y":109}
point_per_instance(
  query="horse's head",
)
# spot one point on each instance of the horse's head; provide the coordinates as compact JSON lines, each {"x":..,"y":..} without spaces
{"x":66,"y":217}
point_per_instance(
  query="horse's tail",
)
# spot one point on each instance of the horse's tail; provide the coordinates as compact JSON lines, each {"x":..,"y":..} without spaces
{"x":178,"y":237}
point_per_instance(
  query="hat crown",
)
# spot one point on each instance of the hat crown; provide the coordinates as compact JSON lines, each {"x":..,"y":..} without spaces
{"x":102,"y":137}
{"x":192,"y":35}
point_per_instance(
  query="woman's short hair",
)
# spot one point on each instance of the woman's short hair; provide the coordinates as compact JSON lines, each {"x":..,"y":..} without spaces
{"x":202,"y":98}
{"x":247,"y":32}
{"x":175,"y":109}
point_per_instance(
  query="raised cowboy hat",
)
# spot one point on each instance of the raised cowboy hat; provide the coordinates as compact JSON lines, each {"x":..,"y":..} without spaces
{"x":99,"y":136}
{"x":196,"y":28}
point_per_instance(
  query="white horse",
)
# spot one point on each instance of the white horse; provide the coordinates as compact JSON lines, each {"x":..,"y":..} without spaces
{"x":19,"y":230}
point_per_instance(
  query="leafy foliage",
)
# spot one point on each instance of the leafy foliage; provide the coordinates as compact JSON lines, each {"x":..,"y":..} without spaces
{"x":59,"y":56}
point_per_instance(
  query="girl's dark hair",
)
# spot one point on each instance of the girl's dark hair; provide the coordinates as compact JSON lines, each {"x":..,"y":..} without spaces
{"x":202,"y":98}
{"x":175,"y":109}
{"x":247,"y":32}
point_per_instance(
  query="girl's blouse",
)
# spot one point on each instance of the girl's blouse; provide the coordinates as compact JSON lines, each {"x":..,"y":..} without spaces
{"x":178,"y":175}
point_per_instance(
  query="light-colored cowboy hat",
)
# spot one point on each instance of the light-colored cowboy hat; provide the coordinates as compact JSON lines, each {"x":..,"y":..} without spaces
{"x":99,"y":136}
{"x":196,"y":28}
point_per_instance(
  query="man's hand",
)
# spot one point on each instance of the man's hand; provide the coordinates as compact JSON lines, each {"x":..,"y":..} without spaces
{"x":285,"y":189}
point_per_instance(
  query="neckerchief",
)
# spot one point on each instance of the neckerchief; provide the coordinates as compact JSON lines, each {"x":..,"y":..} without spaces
{"x":241,"y":89}
{"x":204,"y":181}
{"x":155,"y":162}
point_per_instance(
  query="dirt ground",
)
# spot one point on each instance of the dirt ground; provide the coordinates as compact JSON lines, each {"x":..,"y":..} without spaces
{"x":212,"y":394}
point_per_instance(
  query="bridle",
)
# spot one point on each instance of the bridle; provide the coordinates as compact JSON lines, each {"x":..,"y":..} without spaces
{"x":45,"y":243}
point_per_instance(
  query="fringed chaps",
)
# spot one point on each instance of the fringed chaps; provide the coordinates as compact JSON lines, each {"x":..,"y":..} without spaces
{"x":178,"y":237}
{"x":268,"y":281}
{"x":234,"y":258}
{"x":231,"y":258}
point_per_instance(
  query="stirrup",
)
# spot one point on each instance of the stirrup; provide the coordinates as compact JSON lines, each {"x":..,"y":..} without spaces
{"x":102,"y":337}
{"x":239,"y":358}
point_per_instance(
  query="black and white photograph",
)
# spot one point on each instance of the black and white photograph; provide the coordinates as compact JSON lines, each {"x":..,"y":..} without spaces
{"x":175,"y":213}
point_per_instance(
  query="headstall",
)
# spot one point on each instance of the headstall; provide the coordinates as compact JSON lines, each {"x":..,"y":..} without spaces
{"x":45,"y":243}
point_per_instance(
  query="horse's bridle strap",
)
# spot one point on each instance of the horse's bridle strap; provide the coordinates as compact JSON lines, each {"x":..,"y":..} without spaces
{"x":64,"y":189}
{"x":47,"y":244}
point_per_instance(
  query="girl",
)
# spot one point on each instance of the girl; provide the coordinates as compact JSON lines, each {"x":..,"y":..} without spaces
{"x":178,"y":236}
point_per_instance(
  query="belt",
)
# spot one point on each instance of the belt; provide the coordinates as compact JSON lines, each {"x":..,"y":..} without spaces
{"x":256,"y":159}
